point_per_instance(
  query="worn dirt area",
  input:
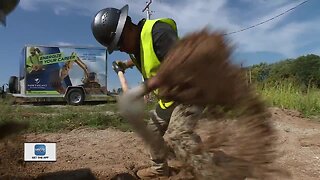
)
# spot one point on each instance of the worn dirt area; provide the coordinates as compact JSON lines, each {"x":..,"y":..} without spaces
{"x":106,"y":152}
{"x":300,"y":144}
{"x":110,"y":152}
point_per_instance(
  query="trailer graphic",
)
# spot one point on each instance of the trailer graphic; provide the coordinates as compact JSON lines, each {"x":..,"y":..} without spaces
{"x":75,"y":73}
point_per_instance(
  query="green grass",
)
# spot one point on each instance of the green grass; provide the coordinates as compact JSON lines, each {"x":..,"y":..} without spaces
{"x":63,"y":118}
{"x":66,"y":118}
{"x":55,"y":118}
{"x":287,"y":95}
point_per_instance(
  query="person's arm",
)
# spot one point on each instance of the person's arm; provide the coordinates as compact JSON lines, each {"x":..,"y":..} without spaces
{"x":164,"y":37}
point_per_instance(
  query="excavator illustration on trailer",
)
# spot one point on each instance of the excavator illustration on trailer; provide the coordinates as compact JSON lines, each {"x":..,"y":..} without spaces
{"x":69,"y":73}
{"x":90,"y":81}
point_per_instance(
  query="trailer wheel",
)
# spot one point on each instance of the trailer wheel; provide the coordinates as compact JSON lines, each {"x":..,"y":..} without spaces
{"x":75,"y":97}
{"x":13,"y":84}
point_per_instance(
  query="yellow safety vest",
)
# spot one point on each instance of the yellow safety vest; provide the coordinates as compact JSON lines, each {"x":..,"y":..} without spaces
{"x":149,"y":60}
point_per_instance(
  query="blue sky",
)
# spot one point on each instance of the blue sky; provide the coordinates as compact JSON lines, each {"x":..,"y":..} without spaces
{"x":67,"y":22}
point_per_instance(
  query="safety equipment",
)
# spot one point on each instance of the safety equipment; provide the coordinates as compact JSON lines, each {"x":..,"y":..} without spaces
{"x":165,"y":105}
{"x":149,"y":60}
{"x":118,"y":66}
{"x":32,"y":50}
{"x":6,"y":6}
{"x":108,"y":25}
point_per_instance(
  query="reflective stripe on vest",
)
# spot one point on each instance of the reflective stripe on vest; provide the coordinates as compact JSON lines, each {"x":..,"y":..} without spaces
{"x":149,"y":60}
{"x":165,"y":105}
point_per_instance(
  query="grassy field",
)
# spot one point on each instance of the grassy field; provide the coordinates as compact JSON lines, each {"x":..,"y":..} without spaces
{"x":63,"y":117}
{"x":55,"y":118}
{"x":289,"y":96}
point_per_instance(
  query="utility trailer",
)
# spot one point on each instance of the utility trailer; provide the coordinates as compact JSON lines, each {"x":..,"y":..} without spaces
{"x":54,"y":73}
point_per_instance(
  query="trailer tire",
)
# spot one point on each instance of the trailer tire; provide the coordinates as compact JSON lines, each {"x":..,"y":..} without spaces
{"x":75,"y":96}
{"x":13,"y":84}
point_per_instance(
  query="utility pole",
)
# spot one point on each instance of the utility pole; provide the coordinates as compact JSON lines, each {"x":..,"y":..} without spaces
{"x":147,"y":9}
{"x":149,"y":13}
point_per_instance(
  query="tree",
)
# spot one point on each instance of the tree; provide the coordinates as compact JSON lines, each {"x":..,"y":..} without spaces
{"x":303,"y":71}
{"x":307,"y":70}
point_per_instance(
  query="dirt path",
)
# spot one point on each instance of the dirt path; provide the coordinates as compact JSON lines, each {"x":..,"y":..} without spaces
{"x":110,"y":152}
{"x":300,"y":144}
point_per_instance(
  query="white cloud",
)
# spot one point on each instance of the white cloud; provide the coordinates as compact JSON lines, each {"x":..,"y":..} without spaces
{"x":63,"y":43}
{"x":279,"y":36}
{"x":60,"y":10}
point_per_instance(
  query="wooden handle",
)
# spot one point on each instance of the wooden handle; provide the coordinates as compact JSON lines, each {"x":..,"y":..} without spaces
{"x":123,"y":81}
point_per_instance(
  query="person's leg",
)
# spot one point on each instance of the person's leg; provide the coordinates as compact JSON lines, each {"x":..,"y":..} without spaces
{"x":180,"y":133}
{"x":158,"y":124}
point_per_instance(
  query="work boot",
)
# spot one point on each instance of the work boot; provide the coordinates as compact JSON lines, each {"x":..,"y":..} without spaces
{"x":152,"y":173}
{"x":175,"y":166}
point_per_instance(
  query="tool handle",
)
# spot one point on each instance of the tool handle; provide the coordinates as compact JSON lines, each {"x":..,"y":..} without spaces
{"x":123,"y":81}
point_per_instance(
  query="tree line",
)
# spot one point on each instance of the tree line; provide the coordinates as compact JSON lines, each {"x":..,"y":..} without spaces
{"x":303,"y":71}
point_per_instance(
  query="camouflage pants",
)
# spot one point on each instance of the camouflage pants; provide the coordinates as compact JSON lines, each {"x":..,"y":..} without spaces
{"x":177,"y":123}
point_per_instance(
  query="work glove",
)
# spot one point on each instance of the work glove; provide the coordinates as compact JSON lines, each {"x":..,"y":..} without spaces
{"x":118,"y":66}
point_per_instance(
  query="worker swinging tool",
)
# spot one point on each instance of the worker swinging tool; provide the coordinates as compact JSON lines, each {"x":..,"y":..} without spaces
{"x":192,"y":77}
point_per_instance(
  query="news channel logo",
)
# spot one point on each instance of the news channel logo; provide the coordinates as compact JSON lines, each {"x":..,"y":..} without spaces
{"x":40,"y":151}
